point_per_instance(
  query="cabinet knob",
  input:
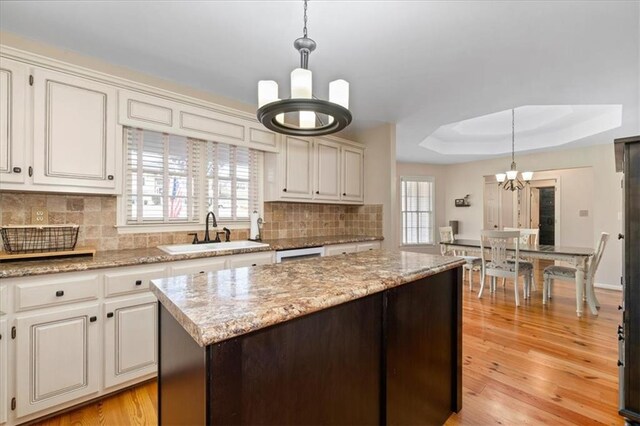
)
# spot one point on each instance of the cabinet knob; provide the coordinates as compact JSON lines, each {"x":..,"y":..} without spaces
{"x":30,"y":171}
{"x":17,"y":170}
{"x":93,"y":319}
{"x":284,"y":190}
{"x":619,"y":307}
{"x":110,"y":177}
{"x":344,"y":194}
{"x":317,"y":192}
{"x":59,"y":293}
{"x":109,"y":314}
{"x":620,"y":364}
{"x":138,"y":282}
{"x":254,"y":264}
{"x":621,"y":236}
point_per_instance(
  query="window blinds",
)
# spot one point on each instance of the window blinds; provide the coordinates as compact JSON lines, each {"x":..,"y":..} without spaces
{"x":172,"y":179}
{"x":417,"y":211}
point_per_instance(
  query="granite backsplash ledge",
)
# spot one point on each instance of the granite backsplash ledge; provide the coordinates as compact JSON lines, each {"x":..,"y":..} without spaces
{"x":96,"y":215}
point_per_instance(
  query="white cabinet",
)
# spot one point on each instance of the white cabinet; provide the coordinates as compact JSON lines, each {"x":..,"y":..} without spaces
{"x":58,"y":355}
{"x":4,"y":338}
{"x":373,"y":245}
{"x":197,"y":266}
{"x":336,"y":249}
{"x":352,"y":174}
{"x":297,"y":168}
{"x":132,"y":279}
{"x":250,"y":259}
{"x":327,"y":170}
{"x":130,"y":339}
{"x":13,"y":87}
{"x":74,"y":125}
{"x":44,"y":291}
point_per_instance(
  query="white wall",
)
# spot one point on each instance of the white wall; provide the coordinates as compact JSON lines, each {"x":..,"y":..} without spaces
{"x":380,"y":173}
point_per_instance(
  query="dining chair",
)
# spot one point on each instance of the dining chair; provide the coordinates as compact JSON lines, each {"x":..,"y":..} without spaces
{"x":500,"y":265}
{"x":567,"y":273}
{"x":527,"y":236}
{"x":473,"y":263}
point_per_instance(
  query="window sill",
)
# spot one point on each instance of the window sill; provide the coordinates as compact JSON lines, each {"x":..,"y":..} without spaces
{"x":176,"y":227}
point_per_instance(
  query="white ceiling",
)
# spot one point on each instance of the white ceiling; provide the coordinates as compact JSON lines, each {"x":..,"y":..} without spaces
{"x":419,"y":64}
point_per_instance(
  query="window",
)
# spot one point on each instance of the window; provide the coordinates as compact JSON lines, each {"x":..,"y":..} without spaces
{"x":417,"y":195}
{"x":174,"y":179}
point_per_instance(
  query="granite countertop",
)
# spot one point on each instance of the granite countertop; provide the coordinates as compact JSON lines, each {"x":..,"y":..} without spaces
{"x":221,"y":305}
{"x":130,"y":257}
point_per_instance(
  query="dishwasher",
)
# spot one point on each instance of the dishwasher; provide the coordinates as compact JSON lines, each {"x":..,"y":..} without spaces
{"x":297,"y":254}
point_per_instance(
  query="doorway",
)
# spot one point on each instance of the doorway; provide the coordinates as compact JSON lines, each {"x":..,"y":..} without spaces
{"x":543,"y":213}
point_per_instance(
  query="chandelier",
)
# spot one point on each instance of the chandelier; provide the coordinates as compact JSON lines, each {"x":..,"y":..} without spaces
{"x":509,"y":180}
{"x":309,"y":116}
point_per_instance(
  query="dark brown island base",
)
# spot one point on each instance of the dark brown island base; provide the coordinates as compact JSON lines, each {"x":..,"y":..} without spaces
{"x":358,"y":339}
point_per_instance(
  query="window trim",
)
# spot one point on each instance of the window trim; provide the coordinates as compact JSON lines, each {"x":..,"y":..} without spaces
{"x":142,"y":228}
{"x":432,"y":180}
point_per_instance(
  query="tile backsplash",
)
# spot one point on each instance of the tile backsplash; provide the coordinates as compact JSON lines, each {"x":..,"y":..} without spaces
{"x":96,"y":215}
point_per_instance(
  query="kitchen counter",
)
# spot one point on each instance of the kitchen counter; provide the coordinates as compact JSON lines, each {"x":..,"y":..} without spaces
{"x":363,"y":338}
{"x":224,"y":304}
{"x":129,"y":257}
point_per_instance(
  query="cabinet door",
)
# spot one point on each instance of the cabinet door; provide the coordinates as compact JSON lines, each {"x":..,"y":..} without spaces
{"x":297,"y":168}
{"x":74,"y":126}
{"x":3,"y":370}
{"x":13,"y":85}
{"x":352,"y":174}
{"x":199,"y":266}
{"x":130,"y":339}
{"x":57,"y":355}
{"x":327,"y":170}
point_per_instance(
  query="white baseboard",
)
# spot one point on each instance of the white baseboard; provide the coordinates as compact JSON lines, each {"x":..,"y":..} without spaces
{"x":608,"y":286}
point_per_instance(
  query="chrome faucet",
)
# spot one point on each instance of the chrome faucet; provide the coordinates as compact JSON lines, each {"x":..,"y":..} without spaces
{"x":214,"y":224}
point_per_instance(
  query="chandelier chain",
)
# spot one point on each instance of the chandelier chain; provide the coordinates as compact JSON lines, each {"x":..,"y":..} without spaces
{"x":304,"y":31}
{"x":513,"y":134}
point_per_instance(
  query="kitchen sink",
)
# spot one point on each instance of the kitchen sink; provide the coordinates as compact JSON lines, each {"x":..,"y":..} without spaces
{"x":203,"y":248}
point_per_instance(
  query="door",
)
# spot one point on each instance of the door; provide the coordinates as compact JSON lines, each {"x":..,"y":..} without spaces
{"x":13,"y":87}
{"x":297,"y":168}
{"x":327,"y":170}
{"x":130,"y":339}
{"x":491,"y":205}
{"x":352,"y":174}
{"x":74,"y":123}
{"x":534,"y":206}
{"x":59,"y":358}
{"x":547,"y":215}
{"x":3,"y":370}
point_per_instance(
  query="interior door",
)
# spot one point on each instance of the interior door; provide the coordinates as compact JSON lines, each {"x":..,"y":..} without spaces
{"x":547,"y":214}
{"x":59,"y":358}
{"x":491,"y":206}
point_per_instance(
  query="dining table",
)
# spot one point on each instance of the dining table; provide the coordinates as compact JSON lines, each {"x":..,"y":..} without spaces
{"x":578,"y":257}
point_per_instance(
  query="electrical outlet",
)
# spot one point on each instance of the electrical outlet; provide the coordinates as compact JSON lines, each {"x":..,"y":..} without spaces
{"x":39,"y":216}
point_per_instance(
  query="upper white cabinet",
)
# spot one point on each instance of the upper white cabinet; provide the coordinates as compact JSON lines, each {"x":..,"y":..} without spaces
{"x":165,"y":115}
{"x":13,"y":85}
{"x":353,"y":174}
{"x":320,"y":170}
{"x":74,"y":124}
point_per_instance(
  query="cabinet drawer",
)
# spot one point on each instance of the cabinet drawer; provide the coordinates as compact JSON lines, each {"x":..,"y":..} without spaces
{"x":131,"y":280}
{"x":198,"y":266}
{"x":251,"y":259}
{"x":51,"y":292}
{"x":336,"y":249}
{"x":374,"y":245}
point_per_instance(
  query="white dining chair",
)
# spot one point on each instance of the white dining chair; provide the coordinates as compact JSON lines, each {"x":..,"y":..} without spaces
{"x":473,"y":263}
{"x":501,"y":265}
{"x":567,"y":273}
{"x":527,"y":236}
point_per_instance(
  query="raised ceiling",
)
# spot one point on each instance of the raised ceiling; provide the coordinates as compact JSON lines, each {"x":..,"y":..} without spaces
{"x":421,"y":65}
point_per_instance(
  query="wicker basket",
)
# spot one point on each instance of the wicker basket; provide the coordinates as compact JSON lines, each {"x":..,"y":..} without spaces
{"x":39,"y":239}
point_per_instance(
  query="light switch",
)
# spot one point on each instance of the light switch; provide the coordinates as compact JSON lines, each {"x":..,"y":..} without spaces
{"x":39,"y":216}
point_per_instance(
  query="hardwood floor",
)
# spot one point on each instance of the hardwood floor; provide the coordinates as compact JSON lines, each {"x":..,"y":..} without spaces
{"x":530,"y":365}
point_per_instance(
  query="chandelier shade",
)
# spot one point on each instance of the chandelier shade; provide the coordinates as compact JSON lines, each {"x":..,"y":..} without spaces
{"x":303,"y":114}
{"x":509,"y":180}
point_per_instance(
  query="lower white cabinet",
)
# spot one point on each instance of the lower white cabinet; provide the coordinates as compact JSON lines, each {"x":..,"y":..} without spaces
{"x":336,"y":249}
{"x":197,"y":266}
{"x":373,"y":245}
{"x":3,"y":369}
{"x":130,"y":338}
{"x":58,"y":355}
{"x":250,"y":259}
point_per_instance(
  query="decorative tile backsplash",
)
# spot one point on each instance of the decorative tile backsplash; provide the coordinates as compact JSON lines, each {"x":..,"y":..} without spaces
{"x":96,"y":215}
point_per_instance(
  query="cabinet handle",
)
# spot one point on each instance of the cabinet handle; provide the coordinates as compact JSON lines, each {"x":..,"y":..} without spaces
{"x":621,"y":236}
{"x":110,"y":177}
{"x":138,"y":282}
{"x":620,"y":364}
{"x":317,"y":192}
{"x":619,"y":307}
{"x":17,"y":170}
{"x":254,"y":264}
{"x":93,"y":319}
{"x":30,"y":171}
{"x":109,"y":314}
{"x":59,"y":293}
{"x":344,"y":194}
{"x":284,"y":190}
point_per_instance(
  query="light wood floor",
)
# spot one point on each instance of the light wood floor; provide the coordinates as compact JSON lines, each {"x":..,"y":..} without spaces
{"x":531,"y":365}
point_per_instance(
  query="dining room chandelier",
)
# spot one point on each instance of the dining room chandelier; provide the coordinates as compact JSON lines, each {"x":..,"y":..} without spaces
{"x":303,"y":114}
{"x":509,"y":180}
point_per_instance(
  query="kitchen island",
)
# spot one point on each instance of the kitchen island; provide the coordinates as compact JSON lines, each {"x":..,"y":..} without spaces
{"x":363,"y":338}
